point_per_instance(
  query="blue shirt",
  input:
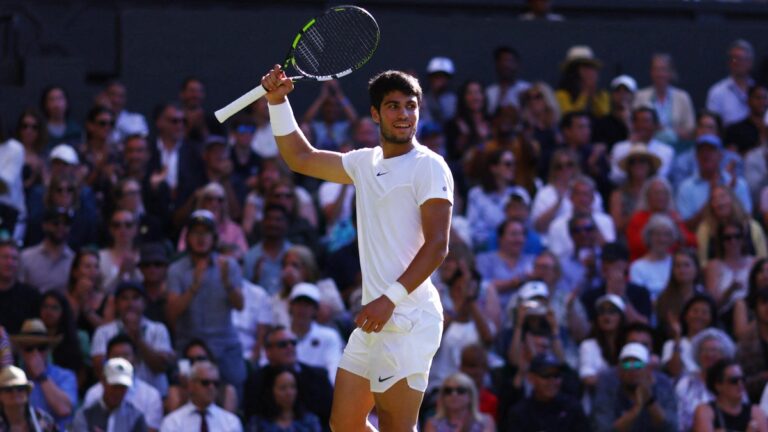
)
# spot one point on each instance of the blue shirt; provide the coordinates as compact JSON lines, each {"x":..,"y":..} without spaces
{"x":693,"y":194}
{"x":208,"y":316}
{"x":270,"y":270}
{"x":64,"y":379}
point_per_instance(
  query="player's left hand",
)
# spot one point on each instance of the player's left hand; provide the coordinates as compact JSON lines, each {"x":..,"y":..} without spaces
{"x":375,"y":314}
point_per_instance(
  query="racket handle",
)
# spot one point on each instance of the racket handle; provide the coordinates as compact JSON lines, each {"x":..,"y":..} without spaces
{"x":238,"y":104}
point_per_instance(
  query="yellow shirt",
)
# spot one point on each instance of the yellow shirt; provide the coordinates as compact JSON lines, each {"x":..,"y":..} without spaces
{"x":600,"y":103}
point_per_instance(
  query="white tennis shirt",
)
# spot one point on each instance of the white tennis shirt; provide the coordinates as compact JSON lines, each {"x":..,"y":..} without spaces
{"x":389,"y":195}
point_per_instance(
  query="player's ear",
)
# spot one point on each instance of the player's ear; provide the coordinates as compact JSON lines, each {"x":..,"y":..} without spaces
{"x":375,"y":115}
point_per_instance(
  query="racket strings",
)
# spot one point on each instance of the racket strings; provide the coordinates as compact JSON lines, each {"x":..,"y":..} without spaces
{"x":339,"y":41}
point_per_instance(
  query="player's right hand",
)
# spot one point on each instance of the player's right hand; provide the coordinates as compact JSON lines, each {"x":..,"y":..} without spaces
{"x":277,"y":85}
{"x":374,"y":315}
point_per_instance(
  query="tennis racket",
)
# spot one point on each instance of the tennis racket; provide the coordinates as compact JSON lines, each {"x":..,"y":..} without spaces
{"x":330,"y":46}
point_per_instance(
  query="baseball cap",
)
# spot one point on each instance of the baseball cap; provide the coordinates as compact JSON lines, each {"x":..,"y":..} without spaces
{"x":64,"y":153}
{"x":202,"y":217}
{"x":711,"y":140}
{"x":545,"y":361}
{"x":612,"y":299}
{"x":533,"y":289}
{"x":118,"y":371}
{"x":213,"y":140}
{"x":129,"y":285}
{"x":440,"y":64}
{"x":304,"y":289}
{"x":636,"y":351}
{"x":626,"y":81}
{"x":153,"y":253}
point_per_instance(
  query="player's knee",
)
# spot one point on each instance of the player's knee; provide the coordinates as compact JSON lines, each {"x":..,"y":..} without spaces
{"x":395,"y":423}
{"x":344,"y":422}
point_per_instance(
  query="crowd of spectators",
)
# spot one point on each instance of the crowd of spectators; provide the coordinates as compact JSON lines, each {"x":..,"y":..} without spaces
{"x":608,"y":267}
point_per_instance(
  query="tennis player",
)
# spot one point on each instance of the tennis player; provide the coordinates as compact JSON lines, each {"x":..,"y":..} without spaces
{"x":404,"y":194}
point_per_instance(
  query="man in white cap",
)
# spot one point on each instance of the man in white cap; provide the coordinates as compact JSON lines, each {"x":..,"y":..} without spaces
{"x":318,"y":345}
{"x":615,"y":126}
{"x":439,"y":100}
{"x":633,"y":397}
{"x":112,"y":412}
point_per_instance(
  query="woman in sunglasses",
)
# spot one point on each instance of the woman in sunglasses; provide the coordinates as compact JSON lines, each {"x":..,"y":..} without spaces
{"x":119,"y":261}
{"x":728,"y":411}
{"x":15,"y":411}
{"x":32,"y":133}
{"x":197,"y":351}
{"x":457,"y":408}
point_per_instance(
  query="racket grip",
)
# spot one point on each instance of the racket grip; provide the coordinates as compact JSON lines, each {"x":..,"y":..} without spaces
{"x":238,"y":104}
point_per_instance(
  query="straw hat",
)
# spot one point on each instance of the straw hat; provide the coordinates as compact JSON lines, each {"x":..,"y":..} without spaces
{"x":33,"y":332}
{"x":11,"y":376}
{"x":580,"y":54}
{"x":640,"y":151}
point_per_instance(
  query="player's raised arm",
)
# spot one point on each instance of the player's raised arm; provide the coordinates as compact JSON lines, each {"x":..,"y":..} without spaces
{"x":297,"y":152}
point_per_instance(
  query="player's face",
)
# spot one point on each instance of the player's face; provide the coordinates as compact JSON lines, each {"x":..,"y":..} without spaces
{"x":397,"y":117}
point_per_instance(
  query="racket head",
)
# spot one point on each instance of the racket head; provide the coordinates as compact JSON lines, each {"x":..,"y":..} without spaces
{"x":334,"y":44}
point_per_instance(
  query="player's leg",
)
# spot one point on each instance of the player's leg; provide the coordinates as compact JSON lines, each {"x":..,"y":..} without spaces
{"x":398,"y":407}
{"x":352,"y":402}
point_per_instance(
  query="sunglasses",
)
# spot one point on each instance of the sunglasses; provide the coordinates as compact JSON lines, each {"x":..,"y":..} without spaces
{"x":60,"y":222}
{"x":583,"y":229}
{"x":632,"y":365}
{"x":121,"y":224}
{"x":507,"y":163}
{"x":153,"y":264}
{"x":40,"y":348}
{"x":13,"y":389}
{"x":607,"y":311}
{"x":283,"y":195}
{"x":64,"y":189}
{"x":735,"y":380}
{"x":285,"y":343}
{"x":447,"y":391}
{"x":33,"y":126}
{"x":564,"y":165}
{"x":534,"y":96}
{"x":208,"y":382}
{"x":550,"y":375}
{"x":105,"y":123}
{"x":214,"y":198}
{"x":729,"y":237}
{"x":176,"y":120}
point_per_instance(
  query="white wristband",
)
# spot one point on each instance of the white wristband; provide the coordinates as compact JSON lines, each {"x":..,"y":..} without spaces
{"x":281,"y":118}
{"x":396,"y":292}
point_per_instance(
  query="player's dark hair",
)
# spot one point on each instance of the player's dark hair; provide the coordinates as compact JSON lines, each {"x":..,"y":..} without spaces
{"x":389,"y":81}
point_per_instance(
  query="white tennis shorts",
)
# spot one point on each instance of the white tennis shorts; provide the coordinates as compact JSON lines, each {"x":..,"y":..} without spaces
{"x":403,"y":349}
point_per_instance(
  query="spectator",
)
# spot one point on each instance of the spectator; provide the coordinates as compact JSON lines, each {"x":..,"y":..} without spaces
{"x":685,"y":281}
{"x":457,"y":407}
{"x":154,"y":353}
{"x":57,"y":316}
{"x":126,"y":123}
{"x":645,"y":123}
{"x":728,"y":97}
{"x":16,"y":411}
{"x":32,"y":133}
{"x":213,"y":198}
{"x":127,"y":196}
{"x":694,"y":192}
{"x":750,"y":132}
{"x":508,"y":86}
{"x":581,"y":269}
{"x":263,"y":142}
{"x":547,"y":408}
{"x":155,"y":190}
{"x":578,"y":88}
{"x":554,"y":200}
{"x":271,"y":171}
{"x":722,"y":207}
{"x":12,"y":156}
{"x":600,"y":350}
{"x":97,"y":154}
{"x":485,"y":207}
{"x":673,"y":105}
{"x":281,"y":407}
{"x":540,"y":10}
{"x":200,"y":413}
{"x":698,"y":314}
{"x":474,"y":363}
{"x":18,"y":301}
{"x":582,"y":195}
{"x":55,"y":389}
{"x":634,"y":396}
{"x":726,"y":276}
{"x":113,"y":407}
{"x":471,"y":127}
{"x":199,"y":123}
{"x":743,"y":310}
{"x":539,"y":109}
{"x":655,"y":198}
{"x":653,"y":270}
{"x":707,"y":348}
{"x":178,"y":395}
{"x":46,"y":265}
{"x":752,"y":342}
{"x":317,"y":345}
{"x":508,"y":267}
{"x":639,"y":165}
{"x":153,"y":264}
{"x":728,"y":411}
{"x":262,"y":263}
{"x":117,"y":263}
{"x":302,"y":216}
{"x":439,"y":99}
{"x":576,"y":130}
{"x":336,"y":114}
{"x":54,"y":104}
{"x":245,"y":161}
{"x":636,"y":298}
{"x":203,"y":289}
{"x":615,"y":126}
{"x":314,"y":389}
{"x":91,"y":305}
{"x":253,"y":320}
